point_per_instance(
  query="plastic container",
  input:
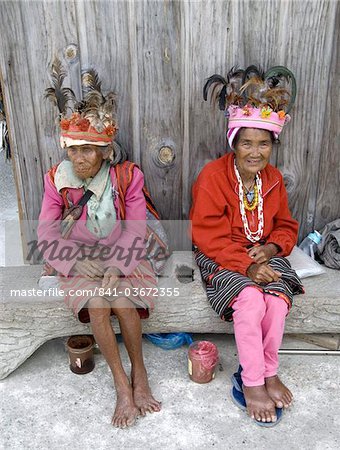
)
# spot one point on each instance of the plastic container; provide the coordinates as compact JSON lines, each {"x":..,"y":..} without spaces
{"x":310,"y":242}
{"x":80,"y":350}
{"x":169,"y":341}
{"x":202,"y":360}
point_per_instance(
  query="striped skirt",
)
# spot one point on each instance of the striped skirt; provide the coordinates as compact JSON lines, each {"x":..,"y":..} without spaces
{"x":140,"y":287}
{"x":223,"y":285}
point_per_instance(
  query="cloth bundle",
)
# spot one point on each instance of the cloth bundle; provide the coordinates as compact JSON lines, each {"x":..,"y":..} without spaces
{"x":329,"y":247}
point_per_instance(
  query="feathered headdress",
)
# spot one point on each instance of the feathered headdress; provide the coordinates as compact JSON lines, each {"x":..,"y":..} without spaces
{"x":252,"y":98}
{"x":90,"y":120}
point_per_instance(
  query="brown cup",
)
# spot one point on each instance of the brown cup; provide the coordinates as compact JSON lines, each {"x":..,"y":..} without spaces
{"x":80,"y":350}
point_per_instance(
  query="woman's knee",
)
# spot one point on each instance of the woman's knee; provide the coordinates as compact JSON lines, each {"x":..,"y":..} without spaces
{"x":251,"y":300}
{"x":276,"y":305}
{"x":123,"y":308}
{"x":99,"y":308}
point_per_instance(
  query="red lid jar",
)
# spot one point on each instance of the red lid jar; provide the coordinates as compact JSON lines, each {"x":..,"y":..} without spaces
{"x":202,"y":360}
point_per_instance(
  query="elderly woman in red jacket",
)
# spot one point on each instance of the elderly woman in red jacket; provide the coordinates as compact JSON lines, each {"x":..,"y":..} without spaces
{"x":242,"y":229}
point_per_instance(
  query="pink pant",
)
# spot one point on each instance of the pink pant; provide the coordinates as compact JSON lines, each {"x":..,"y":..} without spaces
{"x":259,"y":321}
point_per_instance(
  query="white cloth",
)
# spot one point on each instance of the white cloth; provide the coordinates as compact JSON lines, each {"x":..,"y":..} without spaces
{"x":101,"y":214}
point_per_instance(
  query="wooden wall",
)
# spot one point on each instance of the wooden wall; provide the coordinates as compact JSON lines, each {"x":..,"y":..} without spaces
{"x":157,"y":55}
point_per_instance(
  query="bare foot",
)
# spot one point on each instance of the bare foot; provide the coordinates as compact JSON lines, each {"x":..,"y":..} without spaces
{"x":142,"y":394}
{"x":259,"y":405}
{"x":126,"y":411}
{"x":278,"y":392}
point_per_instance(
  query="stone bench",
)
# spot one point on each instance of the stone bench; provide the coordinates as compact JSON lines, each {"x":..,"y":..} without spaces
{"x":27,"y":323}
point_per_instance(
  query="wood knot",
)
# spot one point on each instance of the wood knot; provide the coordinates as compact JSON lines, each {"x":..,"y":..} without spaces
{"x":166,"y":156}
{"x":71,"y":52}
{"x":289,"y":182}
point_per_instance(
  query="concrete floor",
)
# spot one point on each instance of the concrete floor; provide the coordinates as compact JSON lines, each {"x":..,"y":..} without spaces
{"x":45,"y":406}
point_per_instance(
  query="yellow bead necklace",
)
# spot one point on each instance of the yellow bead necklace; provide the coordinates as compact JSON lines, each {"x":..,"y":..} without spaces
{"x":253,"y":204}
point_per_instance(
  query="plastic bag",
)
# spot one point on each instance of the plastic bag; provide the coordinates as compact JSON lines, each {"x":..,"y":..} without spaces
{"x":169,"y":341}
{"x":303,"y":264}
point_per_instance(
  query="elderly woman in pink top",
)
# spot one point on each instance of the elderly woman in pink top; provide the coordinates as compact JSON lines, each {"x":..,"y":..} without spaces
{"x":101,"y":263}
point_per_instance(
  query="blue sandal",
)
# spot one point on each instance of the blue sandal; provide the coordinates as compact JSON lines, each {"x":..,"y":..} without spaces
{"x":239,"y":400}
{"x":236,"y":379}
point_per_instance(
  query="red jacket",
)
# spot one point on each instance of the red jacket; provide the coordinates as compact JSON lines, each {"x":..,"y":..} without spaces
{"x":217,"y":227}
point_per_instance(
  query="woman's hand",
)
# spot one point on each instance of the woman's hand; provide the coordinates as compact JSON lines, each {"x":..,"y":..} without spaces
{"x":261,"y":273}
{"x":89,"y":269}
{"x":111,"y":278}
{"x":262,"y":253}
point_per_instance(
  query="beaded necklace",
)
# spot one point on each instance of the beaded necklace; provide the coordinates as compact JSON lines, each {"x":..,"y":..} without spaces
{"x":251,"y":205}
{"x":252,"y":236}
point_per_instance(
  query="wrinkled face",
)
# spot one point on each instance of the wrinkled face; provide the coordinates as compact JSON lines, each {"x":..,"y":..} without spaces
{"x":252,"y":151}
{"x":86,"y":159}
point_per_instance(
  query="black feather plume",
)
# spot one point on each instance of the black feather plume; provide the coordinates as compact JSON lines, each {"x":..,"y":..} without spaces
{"x":59,"y":95}
{"x":252,"y":71}
{"x":252,"y":86}
{"x":218,"y":79}
{"x":279,"y":72}
{"x":222,"y":98}
{"x":90,"y":81}
{"x":235,"y":76}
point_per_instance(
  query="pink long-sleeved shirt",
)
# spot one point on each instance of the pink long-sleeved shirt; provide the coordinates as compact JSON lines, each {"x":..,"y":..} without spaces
{"x":128,"y":235}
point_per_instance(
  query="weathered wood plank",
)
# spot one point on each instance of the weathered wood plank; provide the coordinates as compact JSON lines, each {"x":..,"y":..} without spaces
{"x":301,"y":158}
{"x":328,"y":188}
{"x":159,"y":62}
{"x":106,"y":45}
{"x":58,"y":29}
{"x":329,"y":341}
{"x":27,"y":53}
{"x":17,"y":91}
{"x":185,"y":107}
{"x":212,"y":50}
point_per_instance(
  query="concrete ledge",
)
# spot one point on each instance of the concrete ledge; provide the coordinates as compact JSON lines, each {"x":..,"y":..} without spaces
{"x":26,"y":323}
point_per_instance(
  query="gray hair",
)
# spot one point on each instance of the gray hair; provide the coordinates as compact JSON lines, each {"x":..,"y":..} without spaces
{"x":118,"y":154}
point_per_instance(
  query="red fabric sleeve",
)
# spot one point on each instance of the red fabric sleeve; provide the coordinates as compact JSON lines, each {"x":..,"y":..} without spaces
{"x":211,"y":232}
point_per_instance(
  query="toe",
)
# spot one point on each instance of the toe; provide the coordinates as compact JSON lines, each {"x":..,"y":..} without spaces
{"x":251,"y":413}
{"x":154,"y":404}
{"x":258,"y":417}
{"x":268,"y":416}
{"x":279,"y":404}
{"x":130,"y":421}
{"x":115,"y":423}
{"x":119,"y":422}
{"x":157,"y":405}
{"x":273,"y":417}
{"x":286,"y":400}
